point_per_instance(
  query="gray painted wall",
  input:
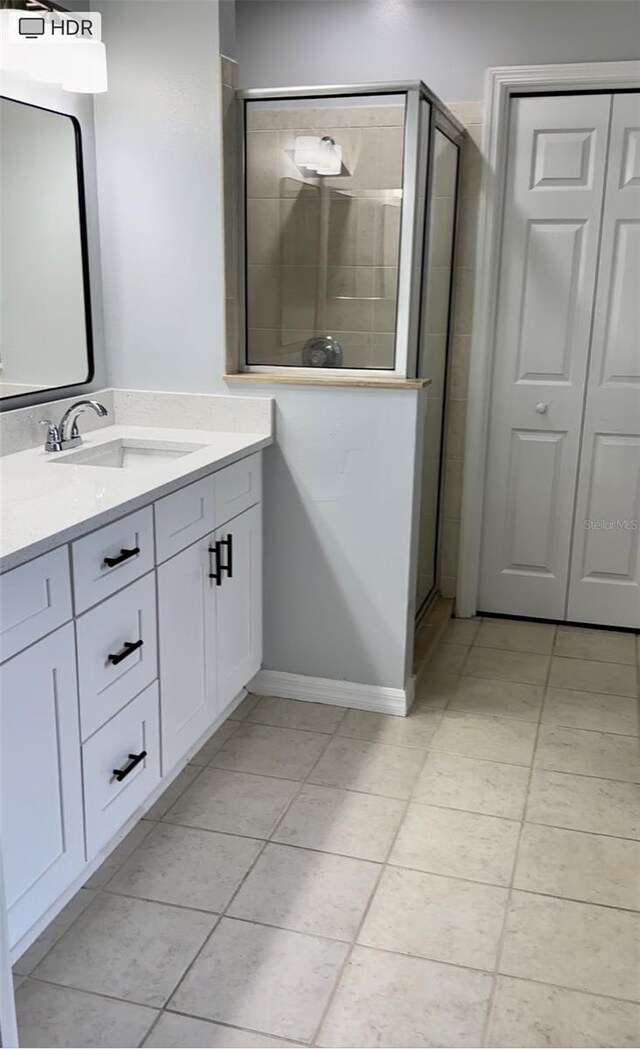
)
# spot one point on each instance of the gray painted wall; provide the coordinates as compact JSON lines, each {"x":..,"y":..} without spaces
{"x":447,"y":44}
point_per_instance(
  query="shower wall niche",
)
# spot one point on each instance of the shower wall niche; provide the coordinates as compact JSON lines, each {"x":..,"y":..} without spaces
{"x":335,"y":226}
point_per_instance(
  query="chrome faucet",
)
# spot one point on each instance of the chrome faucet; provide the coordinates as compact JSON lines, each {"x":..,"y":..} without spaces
{"x":66,"y":434}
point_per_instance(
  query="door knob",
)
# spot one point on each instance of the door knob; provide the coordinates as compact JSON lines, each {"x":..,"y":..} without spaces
{"x":541,"y":407}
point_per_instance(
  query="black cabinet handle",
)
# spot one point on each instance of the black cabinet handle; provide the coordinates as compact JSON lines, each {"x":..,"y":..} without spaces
{"x":124,"y":555}
{"x":228,"y":568}
{"x":217,"y":572}
{"x":134,"y":759}
{"x":129,"y":647}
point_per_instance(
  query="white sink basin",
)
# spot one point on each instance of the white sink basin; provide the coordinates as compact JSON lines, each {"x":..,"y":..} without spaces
{"x":129,"y":453}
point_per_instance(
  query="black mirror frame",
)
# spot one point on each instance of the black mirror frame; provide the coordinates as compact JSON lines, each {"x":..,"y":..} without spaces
{"x":5,"y":402}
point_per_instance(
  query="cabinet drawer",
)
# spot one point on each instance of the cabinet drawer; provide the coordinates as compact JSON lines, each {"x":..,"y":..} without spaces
{"x":111,"y":671}
{"x":109,"y":801}
{"x":112,"y":557}
{"x":36,"y":598}
{"x":238,"y":487}
{"x":184,"y":517}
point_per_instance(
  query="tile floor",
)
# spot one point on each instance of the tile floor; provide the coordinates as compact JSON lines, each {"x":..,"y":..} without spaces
{"x":466,"y":876}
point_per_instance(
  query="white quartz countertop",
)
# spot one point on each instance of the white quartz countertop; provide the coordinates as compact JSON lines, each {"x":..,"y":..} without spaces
{"x":44,"y":503}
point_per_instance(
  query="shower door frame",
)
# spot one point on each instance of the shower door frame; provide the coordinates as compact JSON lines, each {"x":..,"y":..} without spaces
{"x":438,"y":122}
{"x":407,"y":310}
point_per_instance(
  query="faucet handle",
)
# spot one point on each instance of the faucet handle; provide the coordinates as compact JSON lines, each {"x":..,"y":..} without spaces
{"x":75,"y":432}
{"x":53,"y":442}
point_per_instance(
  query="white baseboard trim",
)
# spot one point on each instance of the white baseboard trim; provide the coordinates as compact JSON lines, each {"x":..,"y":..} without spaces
{"x":336,"y":693}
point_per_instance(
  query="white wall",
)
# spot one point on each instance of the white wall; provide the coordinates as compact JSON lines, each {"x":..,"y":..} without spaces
{"x":447,"y":44}
{"x":338,"y":484}
{"x":158,"y":155}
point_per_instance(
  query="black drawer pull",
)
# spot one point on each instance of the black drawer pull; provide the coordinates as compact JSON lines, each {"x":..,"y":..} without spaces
{"x":129,"y":647}
{"x":217,"y":572}
{"x":228,"y":568}
{"x":124,"y":555}
{"x":134,"y":759}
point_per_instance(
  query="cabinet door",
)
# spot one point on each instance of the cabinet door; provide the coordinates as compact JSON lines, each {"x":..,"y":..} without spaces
{"x":239,"y":597}
{"x":187,"y":640}
{"x":40,"y":779}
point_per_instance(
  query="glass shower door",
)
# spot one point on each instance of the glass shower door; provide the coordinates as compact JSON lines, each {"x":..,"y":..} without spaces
{"x":324,"y":197}
{"x":433,"y":353}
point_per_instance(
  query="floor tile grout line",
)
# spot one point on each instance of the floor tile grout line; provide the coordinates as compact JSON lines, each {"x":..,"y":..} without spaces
{"x":383,"y":867}
{"x":534,"y":684}
{"x":150,"y":1028}
{"x":223,"y":912}
{"x":582,"y":830}
{"x":229,"y":902}
{"x":100,"y":890}
{"x":501,"y":941}
{"x":534,"y":721}
{"x":383,"y":950}
{"x":97,"y":892}
{"x":427,"y":749}
{"x":234,"y":1027}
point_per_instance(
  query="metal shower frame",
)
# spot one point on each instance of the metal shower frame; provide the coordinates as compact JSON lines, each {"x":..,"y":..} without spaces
{"x":414,"y":228}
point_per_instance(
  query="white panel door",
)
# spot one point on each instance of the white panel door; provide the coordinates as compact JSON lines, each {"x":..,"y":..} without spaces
{"x":239,"y":604}
{"x":605,"y":570}
{"x":40,"y":783}
{"x":187,"y":646}
{"x":553,"y":199}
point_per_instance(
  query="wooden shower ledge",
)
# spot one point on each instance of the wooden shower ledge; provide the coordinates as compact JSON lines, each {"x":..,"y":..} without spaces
{"x":329,"y":380}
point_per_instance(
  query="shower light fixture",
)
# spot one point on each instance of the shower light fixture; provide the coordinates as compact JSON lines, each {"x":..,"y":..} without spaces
{"x":316,"y":155}
{"x":64,"y":59}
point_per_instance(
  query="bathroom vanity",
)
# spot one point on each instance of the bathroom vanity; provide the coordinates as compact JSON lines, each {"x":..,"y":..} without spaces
{"x":130,"y":622}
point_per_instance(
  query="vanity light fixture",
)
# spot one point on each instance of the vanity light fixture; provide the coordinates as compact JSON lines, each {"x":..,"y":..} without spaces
{"x":58,"y":51}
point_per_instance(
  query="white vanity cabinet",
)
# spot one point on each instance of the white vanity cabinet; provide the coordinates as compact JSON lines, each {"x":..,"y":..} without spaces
{"x":239,"y":604}
{"x":210,"y":615}
{"x":187,"y":641}
{"x":121,"y":653}
{"x":40,"y":778}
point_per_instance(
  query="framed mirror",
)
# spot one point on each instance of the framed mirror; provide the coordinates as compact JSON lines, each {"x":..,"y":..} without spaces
{"x":45,"y":306}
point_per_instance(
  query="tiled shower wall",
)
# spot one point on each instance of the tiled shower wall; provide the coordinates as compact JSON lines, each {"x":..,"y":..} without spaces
{"x":285,"y":264}
{"x":469,"y":114}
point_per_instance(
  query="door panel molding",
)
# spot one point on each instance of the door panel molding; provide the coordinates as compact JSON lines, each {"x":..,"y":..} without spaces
{"x":549,"y":256}
{"x":605,"y":570}
{"x":501,"y":85}
{"x":556,"y":333}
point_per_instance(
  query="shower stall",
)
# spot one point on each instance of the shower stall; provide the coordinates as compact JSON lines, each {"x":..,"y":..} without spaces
{"x":347,"y":249}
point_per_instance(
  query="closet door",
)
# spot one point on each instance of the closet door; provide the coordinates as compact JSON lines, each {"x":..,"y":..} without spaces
{"x":605,"y":571}
{"x":552,"y":209}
